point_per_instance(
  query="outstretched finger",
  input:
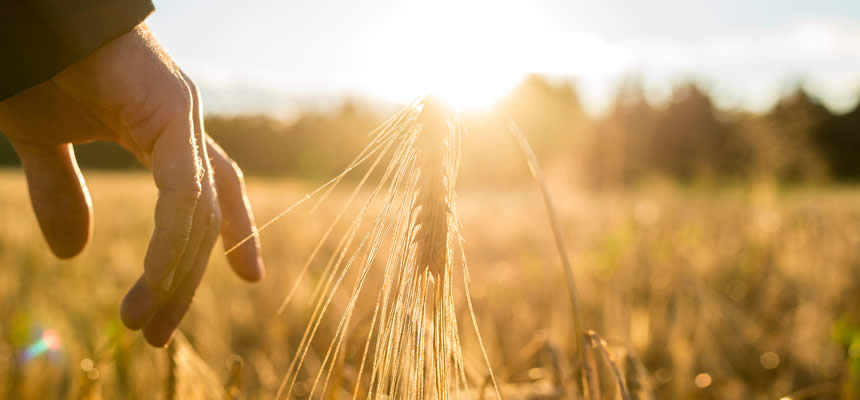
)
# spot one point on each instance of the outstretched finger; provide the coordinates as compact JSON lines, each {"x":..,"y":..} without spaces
{"x":185,"y":209}
{"x":237,"y":223}
{"x":205,"y":222}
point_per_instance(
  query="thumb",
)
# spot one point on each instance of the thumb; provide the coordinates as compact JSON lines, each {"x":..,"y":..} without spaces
{"x":59,"y":196}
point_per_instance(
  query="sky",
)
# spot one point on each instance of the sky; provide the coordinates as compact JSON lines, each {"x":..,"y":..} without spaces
{"x":258,"y":55}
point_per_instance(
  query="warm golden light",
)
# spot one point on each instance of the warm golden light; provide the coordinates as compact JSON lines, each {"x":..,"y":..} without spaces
{"x":465,"y":93}
{"x":459,"y":53}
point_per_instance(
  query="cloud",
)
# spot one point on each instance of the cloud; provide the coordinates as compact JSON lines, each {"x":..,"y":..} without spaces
{"x":754,"y":69}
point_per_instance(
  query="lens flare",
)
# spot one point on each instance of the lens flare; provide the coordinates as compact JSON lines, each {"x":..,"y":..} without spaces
{"x":49,"y":340}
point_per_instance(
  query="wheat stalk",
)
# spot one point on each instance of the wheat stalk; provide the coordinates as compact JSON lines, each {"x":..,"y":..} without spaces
{"x":413,"y":350}
{"x":431,"y":231}
{"x":583,"y":351}
{"x":422,"y":302}
{"x":435,"y":193}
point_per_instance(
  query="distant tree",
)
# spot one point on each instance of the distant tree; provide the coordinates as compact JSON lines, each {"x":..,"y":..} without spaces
{"x":549,"y":113}
{"x":259,"y":143}
{"x":98,"y":155}
{"x":316,"y":145}
{"x":620,"y":147}
{"x":685,"y":138}
{"x":105,"y":155}
{"x":838,"y":140}
{"x":794,"y":120}
{"x":691,"y":140}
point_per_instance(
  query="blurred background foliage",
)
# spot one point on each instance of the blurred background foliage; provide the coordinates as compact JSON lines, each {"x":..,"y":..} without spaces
{"x":685,"y":139}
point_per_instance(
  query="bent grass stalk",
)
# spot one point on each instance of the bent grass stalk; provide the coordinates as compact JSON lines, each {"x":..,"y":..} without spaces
{"x":589,"y":374}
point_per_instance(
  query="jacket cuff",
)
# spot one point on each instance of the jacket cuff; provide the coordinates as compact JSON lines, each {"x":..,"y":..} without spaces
{"x":39,"y":38}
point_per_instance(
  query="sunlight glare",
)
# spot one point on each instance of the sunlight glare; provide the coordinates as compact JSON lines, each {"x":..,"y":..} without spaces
{"x":460,"y":53}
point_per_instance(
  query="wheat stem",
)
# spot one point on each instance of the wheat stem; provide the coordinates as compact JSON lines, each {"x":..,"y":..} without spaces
{"x":579,"y":341}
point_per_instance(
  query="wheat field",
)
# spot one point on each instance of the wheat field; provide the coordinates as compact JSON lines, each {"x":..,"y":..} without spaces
{"x":736,"y":293}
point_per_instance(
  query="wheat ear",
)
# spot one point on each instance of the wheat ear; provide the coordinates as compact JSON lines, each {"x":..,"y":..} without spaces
{"x":413,"y":350}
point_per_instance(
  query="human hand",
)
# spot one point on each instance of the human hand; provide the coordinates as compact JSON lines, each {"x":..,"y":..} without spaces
{"x":132,"y":93}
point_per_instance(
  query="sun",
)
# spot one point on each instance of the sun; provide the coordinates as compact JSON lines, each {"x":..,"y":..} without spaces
{"x":468,"y":92}
{"x":455,"y":68}
{"x":452,"y":52}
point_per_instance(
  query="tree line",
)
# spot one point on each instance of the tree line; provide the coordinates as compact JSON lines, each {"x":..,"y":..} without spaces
{"x":685,"y":138}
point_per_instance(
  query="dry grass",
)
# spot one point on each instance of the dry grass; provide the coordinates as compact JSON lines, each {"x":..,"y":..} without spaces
{"x":755,"y":289}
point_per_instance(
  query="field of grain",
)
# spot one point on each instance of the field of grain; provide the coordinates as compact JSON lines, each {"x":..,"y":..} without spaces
{"x":738,"y":293}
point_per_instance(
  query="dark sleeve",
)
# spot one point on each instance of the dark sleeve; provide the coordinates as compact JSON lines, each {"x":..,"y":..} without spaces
{"x":39,"y":38}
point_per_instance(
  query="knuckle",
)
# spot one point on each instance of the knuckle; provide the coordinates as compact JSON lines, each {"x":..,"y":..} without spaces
{"x":166,"y":104}
{"x":170,"y":101}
